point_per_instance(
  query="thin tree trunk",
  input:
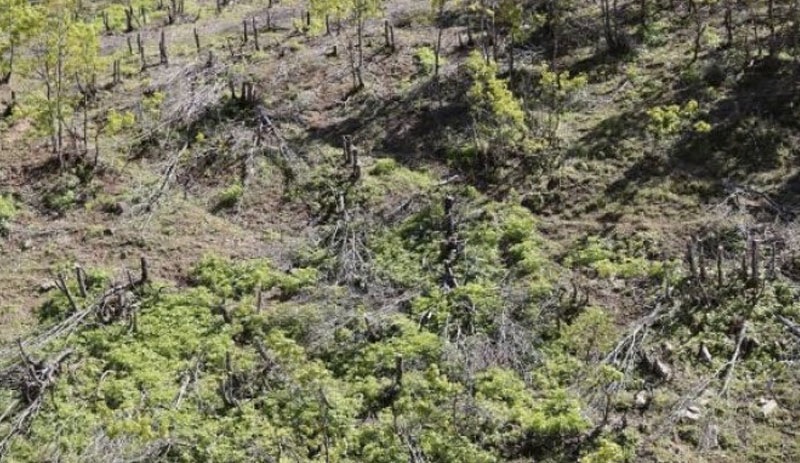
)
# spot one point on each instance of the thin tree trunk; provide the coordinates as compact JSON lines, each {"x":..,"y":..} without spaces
{"x":360,"y":43}
{"x":729,"y":23}
{"x":511,"y":53}
{"x":553,"y":12}
{"x":436,"y":62}
{"x":255,"y":34}
{"x":85,"y":125}
{"x":643,"y":14}
{"x":771,"y":24}
{"x":60,"y":104}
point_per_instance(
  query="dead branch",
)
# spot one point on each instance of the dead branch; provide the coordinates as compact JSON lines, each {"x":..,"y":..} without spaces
{"x":9,"y":355}
{"x":625,"y":352}
{"x":62,"y":286}
{"x":189,"y":377}
{"x":39,"y":377}
{"x":793,"y":327}
{"x":731,"y":365}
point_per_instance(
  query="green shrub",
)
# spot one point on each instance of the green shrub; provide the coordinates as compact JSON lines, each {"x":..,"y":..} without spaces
{"x":384,"y":166}
{"x":669,"y":119}
{"x":61,"y":201}
{"x":490,"y":97}
{"x":7,"y":212}
{"x":119,"y":121}
{"x":611,"y":261}
{"x":228,"y":279}
{"x":656,"y":33}
{"x":230,"y":196}
{"x":425,"y":59}
{"x":514,"y":412}
{"x":606,"y":452}
{"x":116,"y":18}
{"x":590,"y":335}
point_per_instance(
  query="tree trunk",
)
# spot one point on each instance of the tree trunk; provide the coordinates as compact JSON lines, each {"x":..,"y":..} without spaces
{"x":360,"y":43}
{"x":436,"y":63}
{"x":729,"y":23}
{"x":553,"y":22}
{"x":643,"y":14}
{"x":129,"y":19}
{"x":162,"y":49}
{"x":141,"y":51}
{"x":771,"y":24}
{"x":255,"y":34}
{"x":355,"y":70}
{"x":511,"y":53}
{"x":85,"y":126}
{"x":494,"y":32}
{"x":60,"y":106}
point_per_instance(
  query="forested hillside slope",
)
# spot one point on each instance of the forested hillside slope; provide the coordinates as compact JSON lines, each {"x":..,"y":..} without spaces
{"x":399,"y":231}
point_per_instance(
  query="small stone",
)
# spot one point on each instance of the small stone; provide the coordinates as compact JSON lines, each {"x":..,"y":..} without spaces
{"x":710,"y":437}
{"x":27,"y":245}
{"x":120,"y":208}
{"x":768,"y":407}
{"x":116,"y":208}
{"x":642,"y":399}
{"x":706,"y":397}
{"x":46,"y":286}
{"x":667,"y":348}
{"x":691,"y":413}
{"x":704,"y":354}
{"x":663,"y":369}
{"x":272,"y":293}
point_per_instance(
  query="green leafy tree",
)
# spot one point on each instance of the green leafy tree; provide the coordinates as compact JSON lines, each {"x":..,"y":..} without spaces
{"x":19,"y":21}
{"x":66,"y":49}
{"x":359,"y":11}
{"x":606,"y":452}
{"x":499,"y":120}
{"x":510,"y":16}
{"x":330,"y":9}
{"x":558,"y":92}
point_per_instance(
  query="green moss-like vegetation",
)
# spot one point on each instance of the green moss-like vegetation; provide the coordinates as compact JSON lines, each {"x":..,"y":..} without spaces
{"x":184,"y":374}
